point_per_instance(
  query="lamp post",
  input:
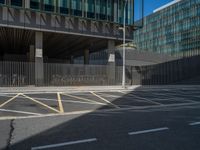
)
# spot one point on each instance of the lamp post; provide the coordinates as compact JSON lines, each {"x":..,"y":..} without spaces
{"x":124,"y":49}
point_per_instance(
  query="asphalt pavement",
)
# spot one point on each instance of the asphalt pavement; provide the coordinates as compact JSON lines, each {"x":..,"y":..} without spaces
{"x":145,"y":118}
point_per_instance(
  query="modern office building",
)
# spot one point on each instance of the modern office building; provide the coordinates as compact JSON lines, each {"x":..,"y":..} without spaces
{"x":41,"y":30}
{"x":172,"y":29}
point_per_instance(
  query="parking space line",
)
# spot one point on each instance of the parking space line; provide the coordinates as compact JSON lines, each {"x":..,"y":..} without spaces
{"x":64,"y":144}
{"x":110,"y":95}
{"x":175,"y":95}
{"x":93,"y":93}
{"x":81,"y":98}
{"x":60,"y":103}
{"x":148,"y":131}
{"x":142,"y":98}
{"x":47,"y":115}
{"x":54,"y":100}
{"x":20,"y":112}
{"x":53,"y":109}
{"x":8,"y":101}
{"x":194,"y":123}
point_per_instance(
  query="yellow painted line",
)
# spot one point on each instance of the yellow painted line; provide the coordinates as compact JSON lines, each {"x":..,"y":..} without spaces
{"x":60,"y":103}
{"x":85,"y":99}
{"x":41,"y":103}
{"x":8,"y":101}
{"x":104,"y":100}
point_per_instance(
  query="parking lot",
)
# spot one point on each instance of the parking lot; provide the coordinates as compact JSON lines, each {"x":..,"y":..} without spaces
{"x":13,"y":105}
{"x":145,"y":118}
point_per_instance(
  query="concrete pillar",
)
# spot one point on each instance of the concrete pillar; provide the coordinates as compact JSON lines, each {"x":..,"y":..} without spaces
{"x":31,"y":53}
{"x":27,"y":3}
{"x":39,"y":68}
{"x":86,"y":56}
{"x":67,"y":60}
{"x":111,"y":61}
{"x":71,"y":59}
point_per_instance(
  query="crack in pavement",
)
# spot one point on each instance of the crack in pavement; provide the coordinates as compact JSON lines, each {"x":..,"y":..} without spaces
{"x":9,"y":141}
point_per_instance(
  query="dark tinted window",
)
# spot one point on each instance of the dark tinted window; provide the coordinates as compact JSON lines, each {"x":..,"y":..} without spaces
{"x":16,"y":2}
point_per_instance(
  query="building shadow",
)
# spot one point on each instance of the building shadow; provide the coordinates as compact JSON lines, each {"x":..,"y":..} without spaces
{"x":93,"y":125}
{"x":180,"y":71}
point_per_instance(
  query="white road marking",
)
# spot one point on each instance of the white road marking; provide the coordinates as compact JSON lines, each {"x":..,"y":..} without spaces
{"x":64,"y":144}
{"x":194,"y":123}
{"x":81,"y":98}
{"x":133,"y":108}
{"x":20,"y":112}
{"x":109,"y":95}
{"x":48,"y":115}
{"x":40,"y":103}
{"x":93,"y":93}
{"x":142,"y":98}
{"x":148,"y":131}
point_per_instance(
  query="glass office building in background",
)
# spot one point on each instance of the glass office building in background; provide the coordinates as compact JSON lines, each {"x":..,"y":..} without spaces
{"x":106,"y":10}
{"x":172,"y":29}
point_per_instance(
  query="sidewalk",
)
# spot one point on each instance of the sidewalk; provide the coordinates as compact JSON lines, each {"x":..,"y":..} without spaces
{"x":60,"y":89}
{"x":72,"y":89}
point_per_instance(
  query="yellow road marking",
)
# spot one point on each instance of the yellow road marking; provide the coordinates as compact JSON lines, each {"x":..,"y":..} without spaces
{"x":41,"y":103}
{"x":80,"y":98}
{"x":60,"y":103}
{"x":104,"y":100}
{"x":8,"y":101}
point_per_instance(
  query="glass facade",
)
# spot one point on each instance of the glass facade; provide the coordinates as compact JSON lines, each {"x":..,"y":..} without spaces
{"x":108,"y":10}
{"x":16,"y":3}
{"x":173,"y":30}
{"x":48,"y":5}
{"x":63,"y":6}
{"x":1,"y":1}
{"x":35,"y":4}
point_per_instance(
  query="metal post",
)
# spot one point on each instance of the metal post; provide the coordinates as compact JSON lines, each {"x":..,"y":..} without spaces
{"x":124,"y":42}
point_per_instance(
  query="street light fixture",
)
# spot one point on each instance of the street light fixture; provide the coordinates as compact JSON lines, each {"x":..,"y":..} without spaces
{"x":124,"y":42}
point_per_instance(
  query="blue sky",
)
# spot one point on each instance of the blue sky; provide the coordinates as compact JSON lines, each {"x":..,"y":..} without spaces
{"x":150,"y":5}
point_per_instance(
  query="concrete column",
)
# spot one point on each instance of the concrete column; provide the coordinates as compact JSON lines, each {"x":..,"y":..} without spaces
{"x":67,"y":60}
{"x":27,"y":3}
{"x":86,"y":56}
{"x":39,"y":68}
{"x":71,"y":59}
{"x":31,"y":53}
{"x":111,"y":61}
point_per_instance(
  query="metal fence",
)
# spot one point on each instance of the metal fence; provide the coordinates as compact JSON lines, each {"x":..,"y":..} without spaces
{"x":66,"y":74}
{"x":17,"y":74}
{"x":172,"y":72}
{"x":23,"y":74}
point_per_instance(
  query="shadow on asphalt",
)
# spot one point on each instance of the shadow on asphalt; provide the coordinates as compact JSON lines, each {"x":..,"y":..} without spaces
{"x":100,"y":125}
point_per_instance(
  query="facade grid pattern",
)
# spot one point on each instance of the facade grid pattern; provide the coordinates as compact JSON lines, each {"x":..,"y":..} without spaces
{"x":106,"y":10}
{"x":174,"y":30}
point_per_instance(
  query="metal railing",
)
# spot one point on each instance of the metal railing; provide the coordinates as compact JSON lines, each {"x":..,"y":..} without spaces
{"x":67,"y":74}
{"x":172,"y":72}
{"x":17,"y":74}
{"x":23,"y":74}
